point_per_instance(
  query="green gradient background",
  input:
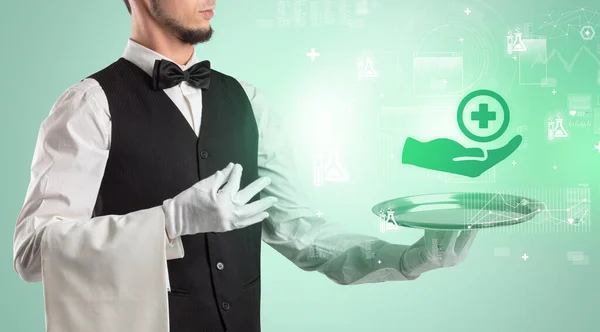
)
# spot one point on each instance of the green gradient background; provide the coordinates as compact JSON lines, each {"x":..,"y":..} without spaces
{"x":50,"y":45}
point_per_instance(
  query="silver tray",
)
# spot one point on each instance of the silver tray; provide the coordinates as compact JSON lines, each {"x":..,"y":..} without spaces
{"x":452,"y":211}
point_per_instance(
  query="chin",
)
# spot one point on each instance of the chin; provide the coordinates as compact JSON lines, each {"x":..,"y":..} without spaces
{"x":203,"y":26}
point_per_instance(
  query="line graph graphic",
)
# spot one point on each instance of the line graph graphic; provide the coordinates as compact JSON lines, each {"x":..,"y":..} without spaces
{"x":568,"y":65}
{"x":580,"y":124}
{"x":545,"y":211}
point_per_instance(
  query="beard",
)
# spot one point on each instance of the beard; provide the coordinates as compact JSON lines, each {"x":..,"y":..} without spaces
{"x":183,"y":33}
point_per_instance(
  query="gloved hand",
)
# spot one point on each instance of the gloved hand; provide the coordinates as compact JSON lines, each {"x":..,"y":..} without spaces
{"x":436,"y":249}
{"x":204,"y":208}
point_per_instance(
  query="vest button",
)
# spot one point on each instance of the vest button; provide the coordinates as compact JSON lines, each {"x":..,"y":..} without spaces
{"x":225,"y":305}
{"x":220,"y":266}
{"x":203,"y":154}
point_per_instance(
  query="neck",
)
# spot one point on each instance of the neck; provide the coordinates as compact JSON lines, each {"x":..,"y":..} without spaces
{"x":148,"y":33}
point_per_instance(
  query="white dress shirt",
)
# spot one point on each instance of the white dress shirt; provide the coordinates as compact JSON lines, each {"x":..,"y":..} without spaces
{"x":71,"y":154}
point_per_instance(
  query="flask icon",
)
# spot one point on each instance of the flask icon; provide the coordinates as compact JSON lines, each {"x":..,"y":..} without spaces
{"x":365,"y":69}
{"x":384,"y":221}
{"x":333,"y":171}
{"x":556,"y":129}
{"x":518,"y":45}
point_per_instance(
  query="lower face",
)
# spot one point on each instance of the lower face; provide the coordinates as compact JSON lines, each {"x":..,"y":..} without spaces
{"x":189,"y":28}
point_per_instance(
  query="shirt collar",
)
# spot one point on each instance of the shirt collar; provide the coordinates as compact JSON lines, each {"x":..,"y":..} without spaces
{"x":144,"y":57}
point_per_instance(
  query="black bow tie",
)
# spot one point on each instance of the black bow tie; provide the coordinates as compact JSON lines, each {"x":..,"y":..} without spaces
{"x":167,"y":74}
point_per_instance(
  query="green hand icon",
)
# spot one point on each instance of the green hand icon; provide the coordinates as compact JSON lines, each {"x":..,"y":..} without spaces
{"x":448,"y":156}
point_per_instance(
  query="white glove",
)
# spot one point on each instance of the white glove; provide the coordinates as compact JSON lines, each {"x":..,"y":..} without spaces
{"x":436,"y":249}
{"x":203,"y":208}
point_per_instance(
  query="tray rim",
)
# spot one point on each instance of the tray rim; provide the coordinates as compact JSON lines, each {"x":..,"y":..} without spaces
{"x":376,"y":209}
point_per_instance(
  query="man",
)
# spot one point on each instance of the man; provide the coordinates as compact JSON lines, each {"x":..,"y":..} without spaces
{"x":134,"y":219}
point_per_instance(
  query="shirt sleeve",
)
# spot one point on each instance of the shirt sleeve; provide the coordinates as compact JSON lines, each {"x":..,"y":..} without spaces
{"x":66,"y":172}
{"x":97,"y":273}
{"x":293,"y":227}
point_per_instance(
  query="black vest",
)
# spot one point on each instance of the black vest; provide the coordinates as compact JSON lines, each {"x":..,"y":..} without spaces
{"x":154,"y":155}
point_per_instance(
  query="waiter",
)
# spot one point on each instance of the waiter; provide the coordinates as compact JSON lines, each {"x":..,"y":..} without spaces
{"x":154,"y":181}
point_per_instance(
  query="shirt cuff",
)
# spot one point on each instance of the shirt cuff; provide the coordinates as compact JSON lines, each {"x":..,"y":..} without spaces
{"x":174,"y":247}
{"x":391,"y":255}
{"x":385,"y":266}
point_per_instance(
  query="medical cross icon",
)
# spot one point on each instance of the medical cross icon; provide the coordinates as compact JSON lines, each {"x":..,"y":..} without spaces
{"x":483,"y":116}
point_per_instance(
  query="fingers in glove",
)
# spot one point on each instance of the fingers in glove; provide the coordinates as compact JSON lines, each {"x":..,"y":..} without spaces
{"x":244,"y":195}
{"x":217,"y":179}
{"x":225,"y":174}
{"x":252,"y":220}
{"x":464,"y":241}
{"x":233,"y":183}
{"x":256,"y":207}
{"x":227,"y":169}
{"x":449,"y":239}
{"x":439,"y":240}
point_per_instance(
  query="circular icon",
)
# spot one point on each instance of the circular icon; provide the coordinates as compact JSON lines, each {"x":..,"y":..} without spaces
{"x":587,"y":32}
{"x":461,"y":109}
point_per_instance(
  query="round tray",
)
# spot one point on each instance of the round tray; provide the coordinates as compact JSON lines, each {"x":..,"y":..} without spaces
{"x":452,"y":211}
